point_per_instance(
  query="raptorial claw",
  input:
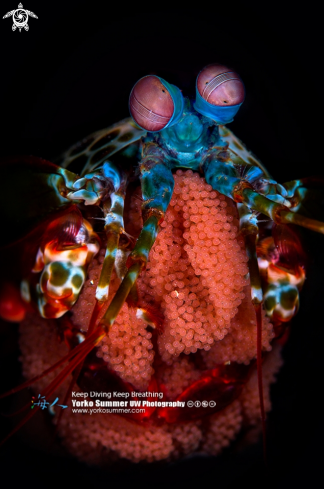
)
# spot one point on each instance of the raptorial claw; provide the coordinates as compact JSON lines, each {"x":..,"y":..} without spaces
{"x":89,"y":198}
{"x":279,"y":213}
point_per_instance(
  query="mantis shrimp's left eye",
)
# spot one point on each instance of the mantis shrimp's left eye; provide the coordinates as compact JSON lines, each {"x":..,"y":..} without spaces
{"x":219,"y":93}
{"x":155,"y":104}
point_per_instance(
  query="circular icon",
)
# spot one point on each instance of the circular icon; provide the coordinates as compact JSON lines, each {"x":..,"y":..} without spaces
{"x":197,"y":403}
{"x":190,"y":403}
{"x":20,"y":18}
{"x":212,"y":404}
{"x":204,"y":404}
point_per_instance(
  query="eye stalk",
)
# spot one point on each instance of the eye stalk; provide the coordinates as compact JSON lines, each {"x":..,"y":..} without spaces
{"x":155,"y":104}
{"x":219,"y":93}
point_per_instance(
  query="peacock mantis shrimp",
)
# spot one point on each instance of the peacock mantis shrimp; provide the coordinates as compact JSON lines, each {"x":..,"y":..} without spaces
{"x":176,"y":289}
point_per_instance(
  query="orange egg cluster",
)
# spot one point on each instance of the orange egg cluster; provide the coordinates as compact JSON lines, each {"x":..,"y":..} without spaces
{"x":197,"y":268}
{"x":197,"y":283}
{"x":127,"y":349}
{"x":196,"y":277}
{"x":239,"y":345}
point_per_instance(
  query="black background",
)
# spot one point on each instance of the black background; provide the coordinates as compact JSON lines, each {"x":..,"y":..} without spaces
{"x":70,"y":75}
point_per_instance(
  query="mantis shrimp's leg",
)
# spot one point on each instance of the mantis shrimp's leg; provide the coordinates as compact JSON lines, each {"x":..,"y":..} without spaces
{"x":114,"y":227}
{"x":108,"y":185}
{"x":222,"y":175}
{"x":306,"y":195}
{"x":249,"y":229}
{"x":157,"y":186}
{"x":277,"y":212}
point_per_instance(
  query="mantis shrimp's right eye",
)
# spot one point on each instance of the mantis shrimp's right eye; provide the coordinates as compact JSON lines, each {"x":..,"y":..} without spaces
{"x":154,"y":104}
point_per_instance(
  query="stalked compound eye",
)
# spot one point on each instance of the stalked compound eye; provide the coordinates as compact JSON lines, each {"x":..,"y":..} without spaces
{"x":219,"y":93}
{"x":155,"y":104}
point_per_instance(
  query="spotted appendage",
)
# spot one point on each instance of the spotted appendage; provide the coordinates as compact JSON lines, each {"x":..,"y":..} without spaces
{"x":282,"y":280}
{"x":61,"y":265}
